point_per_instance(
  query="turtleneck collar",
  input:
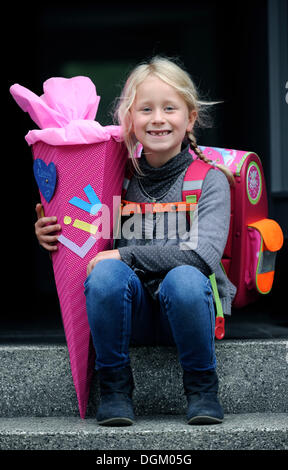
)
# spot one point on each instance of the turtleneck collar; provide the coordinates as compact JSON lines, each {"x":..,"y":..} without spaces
{"x":156,"y":180}
{"x":174,"y":166}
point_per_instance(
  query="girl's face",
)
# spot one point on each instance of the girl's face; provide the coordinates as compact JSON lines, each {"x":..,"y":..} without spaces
{"x":160,"y":120}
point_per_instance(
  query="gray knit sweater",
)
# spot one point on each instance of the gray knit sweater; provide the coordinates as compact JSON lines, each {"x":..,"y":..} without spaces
{"x":152,"y":245}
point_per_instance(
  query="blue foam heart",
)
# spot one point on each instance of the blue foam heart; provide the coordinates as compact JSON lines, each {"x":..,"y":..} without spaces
{"x":45,"y":176}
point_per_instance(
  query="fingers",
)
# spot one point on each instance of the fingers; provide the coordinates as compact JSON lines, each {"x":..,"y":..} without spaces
{"x":91,"y":265}
{"x":45,"y":229}
{"x":39,"y":210}
{"x":108,"y":254}
{"x":47,"y":224}
{"x":49,"y":246}
{"x":49,"y":241}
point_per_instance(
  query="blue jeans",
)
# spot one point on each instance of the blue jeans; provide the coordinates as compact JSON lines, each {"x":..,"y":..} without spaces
{"x":121,"y":312}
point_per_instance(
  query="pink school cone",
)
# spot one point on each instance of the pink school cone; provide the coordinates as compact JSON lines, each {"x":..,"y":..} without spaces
{"x":100,"y":165}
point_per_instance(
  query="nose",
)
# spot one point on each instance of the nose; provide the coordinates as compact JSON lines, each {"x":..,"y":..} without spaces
{"x":158,"y":116}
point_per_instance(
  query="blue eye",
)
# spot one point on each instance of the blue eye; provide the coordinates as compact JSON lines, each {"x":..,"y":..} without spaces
{"x":169,"y":108}
{"x":146,"y":109}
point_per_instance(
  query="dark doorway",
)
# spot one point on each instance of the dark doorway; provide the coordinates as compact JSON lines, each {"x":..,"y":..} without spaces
{"x":224,"y":48}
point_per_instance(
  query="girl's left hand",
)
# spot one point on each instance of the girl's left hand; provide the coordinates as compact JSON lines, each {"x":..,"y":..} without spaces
{"x":109,"y":254}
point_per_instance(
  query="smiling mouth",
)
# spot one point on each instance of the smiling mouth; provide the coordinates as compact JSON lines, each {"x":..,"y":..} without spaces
{"x":158,"y":133}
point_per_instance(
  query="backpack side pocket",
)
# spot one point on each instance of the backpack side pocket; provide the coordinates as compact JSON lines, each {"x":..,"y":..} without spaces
{"x":265,"y":239}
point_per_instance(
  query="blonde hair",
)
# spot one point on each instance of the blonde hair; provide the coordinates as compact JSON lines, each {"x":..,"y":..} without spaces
{"x":171,"y":73}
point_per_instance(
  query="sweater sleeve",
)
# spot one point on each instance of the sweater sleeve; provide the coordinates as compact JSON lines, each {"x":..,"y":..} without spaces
{"x":159,"y":259}
{"x":213,"y":226}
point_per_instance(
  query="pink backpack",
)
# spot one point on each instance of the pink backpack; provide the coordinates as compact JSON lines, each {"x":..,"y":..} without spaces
{"x":254,"y":239}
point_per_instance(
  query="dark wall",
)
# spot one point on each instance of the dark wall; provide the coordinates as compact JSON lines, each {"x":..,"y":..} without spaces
{"x":223,"y":47}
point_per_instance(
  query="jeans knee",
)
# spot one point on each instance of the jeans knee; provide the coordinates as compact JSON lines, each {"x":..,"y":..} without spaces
{"x":104,"y":290}
{"x":105,"y":278}
{"x":185,"y":285}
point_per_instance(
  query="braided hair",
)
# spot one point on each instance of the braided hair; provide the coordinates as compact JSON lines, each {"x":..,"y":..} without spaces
{"x":193,"y":145}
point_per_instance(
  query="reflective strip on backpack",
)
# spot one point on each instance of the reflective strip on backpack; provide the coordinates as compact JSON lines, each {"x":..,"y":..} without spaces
{"x":192,"y":185}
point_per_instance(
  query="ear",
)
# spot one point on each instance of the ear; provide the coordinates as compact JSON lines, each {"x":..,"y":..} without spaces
{"x":191,"y":120}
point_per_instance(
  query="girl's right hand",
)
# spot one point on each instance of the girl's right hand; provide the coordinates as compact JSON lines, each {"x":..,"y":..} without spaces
{"x":45,"y":229}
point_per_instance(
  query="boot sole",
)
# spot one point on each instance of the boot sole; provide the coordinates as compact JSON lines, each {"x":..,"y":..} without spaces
{"x":117,"y":421}
{"x":205,"y":420}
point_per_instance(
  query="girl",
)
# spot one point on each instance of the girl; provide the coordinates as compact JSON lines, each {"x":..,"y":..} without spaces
{"x":150,"y":290}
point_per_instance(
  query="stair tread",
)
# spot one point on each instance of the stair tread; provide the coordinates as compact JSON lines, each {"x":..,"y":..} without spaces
{"x":170,"y":432}
{"x":252,"y":378}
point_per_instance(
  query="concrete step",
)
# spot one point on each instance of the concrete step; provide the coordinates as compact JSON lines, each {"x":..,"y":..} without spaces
{"x":36,"y":381}
{"x":253,"y":431}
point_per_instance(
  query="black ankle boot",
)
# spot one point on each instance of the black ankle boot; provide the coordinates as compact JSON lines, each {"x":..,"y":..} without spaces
{"x":201,"y":388}
{"x":116,"y":387}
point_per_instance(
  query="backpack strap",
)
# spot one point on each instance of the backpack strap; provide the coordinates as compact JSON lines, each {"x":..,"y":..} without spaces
{"x":193,"y":180}
{"x":191,"y":193}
